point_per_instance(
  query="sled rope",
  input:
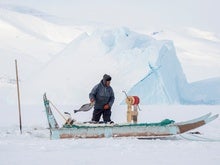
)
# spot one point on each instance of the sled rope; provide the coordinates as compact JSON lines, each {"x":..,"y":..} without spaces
{"x":57,"y":110}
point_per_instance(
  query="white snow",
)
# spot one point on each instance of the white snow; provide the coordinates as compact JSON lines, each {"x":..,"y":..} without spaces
{"x":35,"y":147}
{"x":65,"y":56}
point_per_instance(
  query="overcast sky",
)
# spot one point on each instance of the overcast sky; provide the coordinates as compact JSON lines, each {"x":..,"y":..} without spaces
{"x":201,"y":14}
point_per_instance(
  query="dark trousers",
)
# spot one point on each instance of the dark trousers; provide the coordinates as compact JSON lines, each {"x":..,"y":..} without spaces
{"x":106,"y":114}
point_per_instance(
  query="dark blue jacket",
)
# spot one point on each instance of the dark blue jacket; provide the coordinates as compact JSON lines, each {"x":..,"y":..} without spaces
{"x":102,"y":95}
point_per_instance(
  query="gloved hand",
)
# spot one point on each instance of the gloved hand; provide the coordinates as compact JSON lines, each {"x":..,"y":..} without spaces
{"x":106,"y":106}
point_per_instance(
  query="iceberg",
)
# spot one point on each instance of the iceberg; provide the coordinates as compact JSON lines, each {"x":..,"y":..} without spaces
{"x":167,"y":84}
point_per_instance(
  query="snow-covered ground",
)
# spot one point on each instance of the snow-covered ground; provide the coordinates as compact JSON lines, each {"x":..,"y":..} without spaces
{"x":34,"y":146}
{"x":60,"y":49}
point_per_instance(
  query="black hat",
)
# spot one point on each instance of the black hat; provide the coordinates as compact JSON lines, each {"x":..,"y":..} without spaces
{"x":106,"y":78}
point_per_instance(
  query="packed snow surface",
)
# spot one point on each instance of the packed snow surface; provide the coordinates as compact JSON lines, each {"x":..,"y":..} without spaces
{"x":34,"y":146}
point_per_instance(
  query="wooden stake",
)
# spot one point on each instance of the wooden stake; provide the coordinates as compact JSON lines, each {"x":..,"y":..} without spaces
{"x":19,"y":105}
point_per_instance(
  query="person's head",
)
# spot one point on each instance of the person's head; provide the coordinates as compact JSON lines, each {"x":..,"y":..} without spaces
{"x":106,"y":80}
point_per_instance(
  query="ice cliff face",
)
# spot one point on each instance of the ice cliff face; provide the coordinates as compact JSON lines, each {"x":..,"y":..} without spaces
{"x":167,"y":84}
{"x":165,"y":80}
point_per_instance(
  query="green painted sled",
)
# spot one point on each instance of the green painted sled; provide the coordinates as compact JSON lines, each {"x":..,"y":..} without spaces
{"x":141,"y":130}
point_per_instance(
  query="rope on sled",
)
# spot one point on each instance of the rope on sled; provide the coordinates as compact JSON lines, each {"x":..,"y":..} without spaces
{"x":57,"y":110}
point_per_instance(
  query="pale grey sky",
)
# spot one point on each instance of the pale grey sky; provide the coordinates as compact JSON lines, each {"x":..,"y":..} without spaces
{"x":201,"y":14}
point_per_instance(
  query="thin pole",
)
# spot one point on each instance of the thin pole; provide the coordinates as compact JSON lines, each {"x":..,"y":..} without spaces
{"x":19,"y":105}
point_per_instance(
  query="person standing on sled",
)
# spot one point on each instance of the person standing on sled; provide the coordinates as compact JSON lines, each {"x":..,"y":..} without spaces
{"x":102,"y":95}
